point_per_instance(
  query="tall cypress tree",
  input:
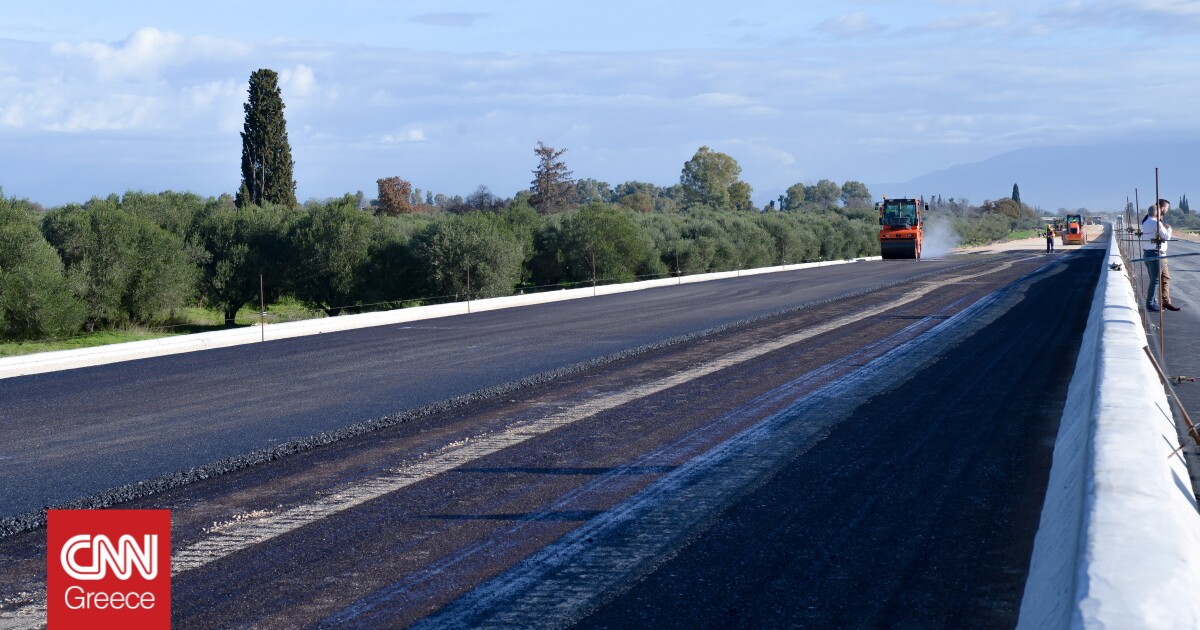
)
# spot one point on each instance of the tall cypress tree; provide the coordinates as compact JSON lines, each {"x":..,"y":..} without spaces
{"x":1016,"y":196}
{"x":266,"y":154}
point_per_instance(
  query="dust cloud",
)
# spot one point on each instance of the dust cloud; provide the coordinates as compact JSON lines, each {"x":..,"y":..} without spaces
{"x":940,"y":238}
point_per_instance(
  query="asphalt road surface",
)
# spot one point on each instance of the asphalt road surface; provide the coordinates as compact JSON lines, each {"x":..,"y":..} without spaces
{"x":918,"y":510}
{"x":80,"y":433}
{"x":877,"y":460}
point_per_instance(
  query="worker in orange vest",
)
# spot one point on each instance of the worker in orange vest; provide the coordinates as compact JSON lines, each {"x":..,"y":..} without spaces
{"x":1049,"y":239}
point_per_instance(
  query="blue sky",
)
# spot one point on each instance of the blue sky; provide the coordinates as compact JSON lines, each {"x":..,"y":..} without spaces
{"x":451,"y":95}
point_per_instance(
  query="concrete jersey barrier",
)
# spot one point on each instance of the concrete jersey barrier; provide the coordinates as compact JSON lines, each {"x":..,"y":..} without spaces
{"x":38,"y":363}
{"x":1118,"y":545}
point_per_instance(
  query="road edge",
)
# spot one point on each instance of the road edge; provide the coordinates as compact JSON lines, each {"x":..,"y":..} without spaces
{"x":1118,"y":543}
{"x":42,"y":362}
{"x":15,"y":524}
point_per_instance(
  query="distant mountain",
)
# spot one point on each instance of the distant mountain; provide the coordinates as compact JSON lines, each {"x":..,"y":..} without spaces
{"x":1093,"y":177}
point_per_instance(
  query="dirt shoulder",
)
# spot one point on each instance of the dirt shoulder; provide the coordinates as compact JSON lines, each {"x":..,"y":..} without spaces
{"x":1037,"y":243}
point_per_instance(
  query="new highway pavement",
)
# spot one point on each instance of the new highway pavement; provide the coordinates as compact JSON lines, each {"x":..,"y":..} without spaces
{"x":865,"y":457}
{"x":81,"y":432}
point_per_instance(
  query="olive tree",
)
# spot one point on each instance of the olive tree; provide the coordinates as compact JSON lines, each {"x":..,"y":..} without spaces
{"x":330,"y":248}
{"x":710,"y":179}
{"x":36,"y":301}
{"x":125,"y":267}
{"x":471,"y":248}
{"x":605,"y":239}
{"x":245,"y":251}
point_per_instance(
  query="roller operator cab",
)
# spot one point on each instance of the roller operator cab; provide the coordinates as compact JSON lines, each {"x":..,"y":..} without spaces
{"x":1073,"y":233}
{"x":901,"y":227}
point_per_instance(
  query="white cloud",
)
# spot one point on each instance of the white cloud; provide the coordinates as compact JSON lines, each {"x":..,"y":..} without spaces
{"x":50,"y":108}
{"x":718,"y":99}
{"x":851,"y":25}
{"x":761,"y":110}
{"x":146,"y":52}
{"x":850,"y":111}
{"x":992,"y":20}
{"x":219,"y":99}
{"x":773,"y":154}
{"x":298,"y":81}
{"x":412,"y":134}
{"x":19,"y":110}
{"x":114,"y":112}
{"x":1153,"y":17}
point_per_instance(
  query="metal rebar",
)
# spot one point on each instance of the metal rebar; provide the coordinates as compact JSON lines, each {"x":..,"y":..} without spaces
{"x":1137,"y":207}
{"x":1162,"y":306}
{"x":1162,"y":377}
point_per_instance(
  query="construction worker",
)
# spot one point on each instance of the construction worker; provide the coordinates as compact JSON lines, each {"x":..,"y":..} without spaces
{"x":1049,"y":239}
{"x":1155,"y":226}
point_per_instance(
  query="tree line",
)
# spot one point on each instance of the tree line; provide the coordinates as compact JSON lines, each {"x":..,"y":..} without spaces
{"x":139,"y":258}
{"x":984,"y":223}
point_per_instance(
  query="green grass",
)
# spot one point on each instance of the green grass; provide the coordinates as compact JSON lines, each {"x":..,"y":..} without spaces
{"x":1017,"y":235}
{"x":286,"y":310}
{"x":98,"y":338}
{"x":184,"y":322}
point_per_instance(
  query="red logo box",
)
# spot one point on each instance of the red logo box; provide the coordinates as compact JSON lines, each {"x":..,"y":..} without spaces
{"x":108,"y":569}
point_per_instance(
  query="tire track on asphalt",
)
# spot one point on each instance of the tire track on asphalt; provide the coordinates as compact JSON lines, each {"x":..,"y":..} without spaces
{"x":246,"y":533}
{"x":566,"y":580}
{"x":418,"y":586}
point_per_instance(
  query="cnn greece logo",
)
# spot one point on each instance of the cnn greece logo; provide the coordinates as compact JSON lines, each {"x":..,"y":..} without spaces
{"x":108,"y":569}
{"x":122,"y":557}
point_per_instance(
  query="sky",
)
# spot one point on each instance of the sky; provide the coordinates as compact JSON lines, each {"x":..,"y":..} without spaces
{"x":100,"y":98}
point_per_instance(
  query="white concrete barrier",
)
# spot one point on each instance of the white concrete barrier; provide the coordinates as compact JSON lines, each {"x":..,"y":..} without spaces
{"x":1118,"y":545}
{"x":99,"y":355}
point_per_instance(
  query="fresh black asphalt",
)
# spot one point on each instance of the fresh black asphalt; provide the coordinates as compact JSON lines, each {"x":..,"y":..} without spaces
{"x":919,"y":510}
{"x":80,"y":433}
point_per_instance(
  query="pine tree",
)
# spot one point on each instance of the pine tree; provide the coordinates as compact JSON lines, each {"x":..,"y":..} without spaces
{"x":1016,"y":195}
{"x":266,"y":154}
{"x":1183,"y":205}
{"x":552,"y":188}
